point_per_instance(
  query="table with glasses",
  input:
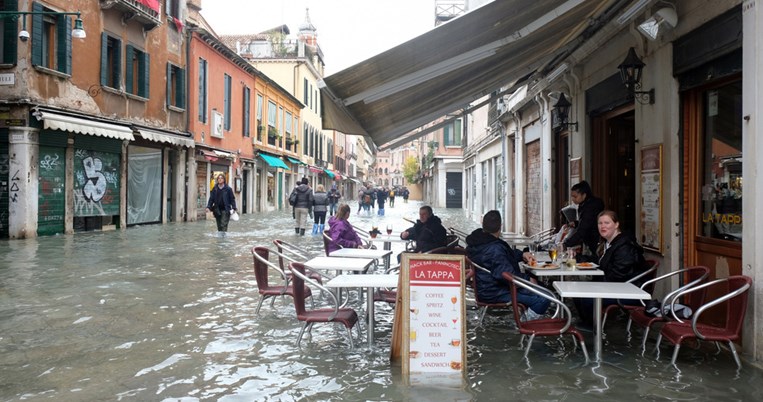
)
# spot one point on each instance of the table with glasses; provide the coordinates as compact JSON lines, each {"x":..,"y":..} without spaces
{"x":599,"y":291}
{"x":362,"y":253}
{"x":388,"y":240}
{"x":561,"y":272}
{"x":370,"y":282}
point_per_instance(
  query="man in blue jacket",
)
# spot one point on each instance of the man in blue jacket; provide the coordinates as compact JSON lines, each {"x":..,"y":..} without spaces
{"x":486,"y":249}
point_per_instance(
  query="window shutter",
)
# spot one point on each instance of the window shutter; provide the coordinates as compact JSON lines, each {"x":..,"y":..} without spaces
{"x":144,"y":67}
{"x":180,"y":90}
{"x":169,"y":85}
{"x":129,"y":74}
{"x":64,"y":45}
{"x":37,"y":35}
{"x":104,"y":58}
{"x":10,"y":30}
{"x":247,"y":115}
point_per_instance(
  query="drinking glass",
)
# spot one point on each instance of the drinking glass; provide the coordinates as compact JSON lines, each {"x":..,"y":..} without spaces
{"x":389,"y":229}
{"x":552,"y":253}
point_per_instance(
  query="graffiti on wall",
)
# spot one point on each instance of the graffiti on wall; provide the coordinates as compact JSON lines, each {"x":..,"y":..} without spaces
{"x":96,"y":183}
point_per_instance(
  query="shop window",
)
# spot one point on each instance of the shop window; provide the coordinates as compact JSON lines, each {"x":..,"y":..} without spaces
{"x":721,"y":196}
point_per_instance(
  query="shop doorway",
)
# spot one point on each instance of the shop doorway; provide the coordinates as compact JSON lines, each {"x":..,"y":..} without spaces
{"x":613,"y":163}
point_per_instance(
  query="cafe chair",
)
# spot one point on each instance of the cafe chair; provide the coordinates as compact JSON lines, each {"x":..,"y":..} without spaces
{"x":544,"y":326}
{"x":336,"y":314}
{"x":734,"y":290}
{"x":294,"y":256}
{"x":262,"y":266}
{"x":298,"y":252}
{"x":645,"y":276}
{"x":327,"y":241}
{"x":639,"y":315}
{"x":482,"y":306}
{"x":451,"y":241}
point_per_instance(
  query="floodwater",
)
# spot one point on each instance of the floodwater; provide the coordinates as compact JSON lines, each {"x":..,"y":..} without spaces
{"x":166,"y":313}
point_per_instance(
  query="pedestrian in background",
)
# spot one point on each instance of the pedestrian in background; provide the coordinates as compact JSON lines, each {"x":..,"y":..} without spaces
{"x":381,"y":198}
{"x":320,"y":205}
{"x":361,"y":198}
{"x":405,"y":195}
{"x":392,"y":198}
{"x":222,"y":203}
{"x":334,"y":197}
{"x":302,"y":198}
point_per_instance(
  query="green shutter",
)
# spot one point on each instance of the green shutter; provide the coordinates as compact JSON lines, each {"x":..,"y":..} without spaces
{"x":144,"y":66}
{"x":104,"y":58}
{"x":169,"y":85}
{"x":10,"y":30}
{"x":117,"y":63}
{"x":37,"y":35}
{"x":64,"y":45}
{"x":129,"y":54}
{"x":180,"y":90}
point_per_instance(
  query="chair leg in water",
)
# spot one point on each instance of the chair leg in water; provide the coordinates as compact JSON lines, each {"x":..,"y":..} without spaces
{"x":675,"y":354}
{"x":301,"y":332}
{"x":529,"y":344}
{"x":259,"y":304}
{"x":349,"y":336}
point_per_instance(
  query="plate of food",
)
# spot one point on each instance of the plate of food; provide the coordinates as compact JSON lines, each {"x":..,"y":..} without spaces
{"x":546,"y":266}
{"x":586,"y":265}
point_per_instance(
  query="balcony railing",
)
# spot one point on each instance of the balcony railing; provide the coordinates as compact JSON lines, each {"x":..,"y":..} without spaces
{"x":149,"y":17}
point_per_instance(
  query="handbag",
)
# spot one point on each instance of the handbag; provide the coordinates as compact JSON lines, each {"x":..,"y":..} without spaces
{"x":234,"y":215}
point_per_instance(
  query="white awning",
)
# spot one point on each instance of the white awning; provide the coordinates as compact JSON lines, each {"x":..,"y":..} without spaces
{"x":55,"y":121}
{"x":157,"y":136}
{"x":223,"y":154}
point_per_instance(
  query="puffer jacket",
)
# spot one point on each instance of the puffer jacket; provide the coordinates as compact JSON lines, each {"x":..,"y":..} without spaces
{"x":342,"y":234}
{"x":623,"y":260}
{"x":429,"y":235}
{"x":496,"y":255}
{"x":320,"y":201}
{"x":304,"y":196}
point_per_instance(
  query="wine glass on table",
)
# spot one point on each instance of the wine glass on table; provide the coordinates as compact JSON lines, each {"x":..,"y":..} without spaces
{"x":389,"y":230}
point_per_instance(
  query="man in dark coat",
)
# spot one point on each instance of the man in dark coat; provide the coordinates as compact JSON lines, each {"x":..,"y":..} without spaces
{"x":587,"y":233}
{"x":428,"y":231}
{"x":303,"y":203}
{"x":486,"y":248}
{"x":221,"y":202}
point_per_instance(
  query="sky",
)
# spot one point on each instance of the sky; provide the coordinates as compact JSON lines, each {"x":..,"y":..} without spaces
{"x":349,"y":31}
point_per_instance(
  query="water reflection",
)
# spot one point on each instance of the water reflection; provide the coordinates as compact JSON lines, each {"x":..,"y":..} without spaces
{"x":167,"y":313}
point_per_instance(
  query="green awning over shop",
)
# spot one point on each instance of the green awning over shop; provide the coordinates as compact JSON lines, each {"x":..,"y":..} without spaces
{"x":292,"y":160}
{"x":273,"y":161}
{"x":329,"y":173}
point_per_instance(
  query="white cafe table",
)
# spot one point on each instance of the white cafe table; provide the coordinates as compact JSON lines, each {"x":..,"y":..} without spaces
{"x":388,"y":240}
{"x":598,"y":291}
{"x":370,"y":282}
{"x":561,"y":272}
{"x":362,"y":253}
{"x":344,"y":264}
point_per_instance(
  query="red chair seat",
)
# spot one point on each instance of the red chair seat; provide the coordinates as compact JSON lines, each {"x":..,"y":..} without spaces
{"x":387,"y":296}
{"x":348,"y":317}
{"x":676,"y":332}
{"x":279,"y":290}
{"x":548,"y":327}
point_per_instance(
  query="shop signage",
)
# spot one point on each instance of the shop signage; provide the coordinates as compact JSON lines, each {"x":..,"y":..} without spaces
{"x":434,"y":332}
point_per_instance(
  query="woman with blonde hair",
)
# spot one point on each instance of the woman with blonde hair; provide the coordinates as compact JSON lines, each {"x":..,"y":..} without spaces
{"x":320,"y":205}
{"x":342,"y":233}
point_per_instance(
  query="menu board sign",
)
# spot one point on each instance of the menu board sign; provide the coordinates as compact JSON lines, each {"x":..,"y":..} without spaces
{"x":651,"y":198}
{"x":433,"y":318}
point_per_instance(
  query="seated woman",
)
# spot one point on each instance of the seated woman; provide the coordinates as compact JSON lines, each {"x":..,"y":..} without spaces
{"x":622,"y":258}
{"x":342,"y":233}
{"x":486,"y":249}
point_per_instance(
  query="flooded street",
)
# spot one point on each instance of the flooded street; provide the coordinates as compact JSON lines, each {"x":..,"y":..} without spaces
{"x":166,"y":313}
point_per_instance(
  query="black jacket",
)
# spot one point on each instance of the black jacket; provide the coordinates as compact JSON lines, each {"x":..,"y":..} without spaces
{"x":623,"y":260}
{"x":587,"y":227}
{"x":304,"y":196}
{"x":320,"y":201}
{"x":428,"y":235}
{"x":496,"y":255}
{"x":221,"y":200}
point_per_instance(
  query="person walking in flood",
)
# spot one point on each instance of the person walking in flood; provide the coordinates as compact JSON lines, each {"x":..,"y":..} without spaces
{"x":302,"y":199}
{"x":320,"y":204}
{"x":334,"y":197}
{"x":221,"y":203}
